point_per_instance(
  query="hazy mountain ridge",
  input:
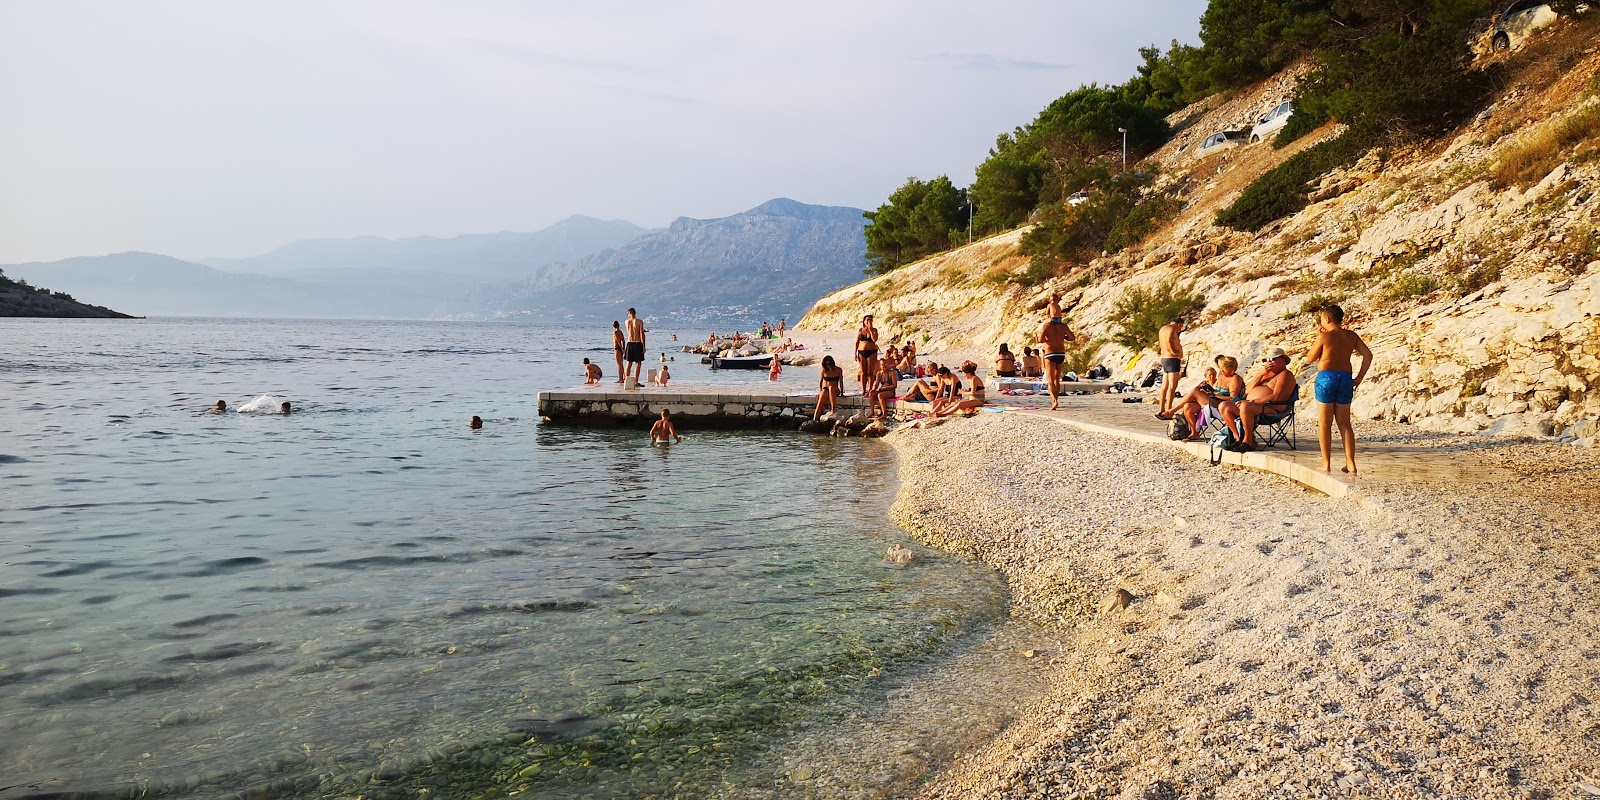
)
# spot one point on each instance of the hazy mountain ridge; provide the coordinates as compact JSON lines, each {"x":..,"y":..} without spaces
{"x":506,"y":255}
{"x":772,"y":260}
{"x":775,"y":259}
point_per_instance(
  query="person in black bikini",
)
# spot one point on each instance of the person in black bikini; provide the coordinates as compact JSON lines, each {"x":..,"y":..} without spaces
{"x":830,"y":387}
{"x":616,"y":344}
{"x":866,"y":352}
{"x":1005,"y":363}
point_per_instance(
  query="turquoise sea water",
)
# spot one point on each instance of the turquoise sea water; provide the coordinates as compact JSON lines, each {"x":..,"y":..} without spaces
{"x":368,"y":598}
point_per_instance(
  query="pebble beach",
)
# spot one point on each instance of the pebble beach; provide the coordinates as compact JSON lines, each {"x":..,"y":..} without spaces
{"x":1225,"y":633}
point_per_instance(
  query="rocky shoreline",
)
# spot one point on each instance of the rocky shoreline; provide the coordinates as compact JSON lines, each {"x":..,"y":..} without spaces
{"x":1232,"y":635}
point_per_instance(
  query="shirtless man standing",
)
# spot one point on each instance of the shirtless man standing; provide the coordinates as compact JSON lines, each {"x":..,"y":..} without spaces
{"x":1054,"y":335}
{"x":1335,"y":386}
{"x":616,"y":344}
{"x":1171,"y":365}
{"x":635,"y":354}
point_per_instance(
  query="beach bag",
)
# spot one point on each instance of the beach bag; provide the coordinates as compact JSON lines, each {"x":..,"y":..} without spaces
{"x":1177,"y":428}
{"x":1151,"y":379}
{"x":1220,"y":442}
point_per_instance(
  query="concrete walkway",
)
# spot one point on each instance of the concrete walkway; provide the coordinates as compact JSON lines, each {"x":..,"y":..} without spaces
{"x":1381,"y":462}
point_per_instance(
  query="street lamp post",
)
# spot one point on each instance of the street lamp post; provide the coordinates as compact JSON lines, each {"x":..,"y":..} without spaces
{"x":1124,"y":132}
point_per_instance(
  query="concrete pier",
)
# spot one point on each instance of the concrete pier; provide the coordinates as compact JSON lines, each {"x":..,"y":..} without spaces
{"x":609,"y":407}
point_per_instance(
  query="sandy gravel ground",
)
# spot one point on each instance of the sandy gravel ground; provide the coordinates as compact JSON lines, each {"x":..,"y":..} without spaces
{"x":1431,"y":640}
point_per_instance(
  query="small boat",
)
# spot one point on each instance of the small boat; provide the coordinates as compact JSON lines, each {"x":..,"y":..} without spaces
{"x":757,"y":361}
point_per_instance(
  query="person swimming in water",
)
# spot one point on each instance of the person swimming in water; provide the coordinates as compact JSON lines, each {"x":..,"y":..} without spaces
{"x":475,"y":423}
{"x":284,"y":409}
{"x":221,"y":406}
{"x":663,"y":429}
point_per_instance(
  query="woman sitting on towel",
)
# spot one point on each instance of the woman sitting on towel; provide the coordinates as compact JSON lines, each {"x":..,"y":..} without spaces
{"x":972,"y":398}
{"x":1005,"y":364}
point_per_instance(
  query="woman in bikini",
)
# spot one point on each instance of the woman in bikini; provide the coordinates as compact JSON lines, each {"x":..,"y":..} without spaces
{"x":884,"y":388}
{"x":866,"y":352}
{"x":616,"y":344}
{"x":1031,"y":366}
{"x":1005,"y":363}
{"x":973,"y":397}
{"x":830,"y":387}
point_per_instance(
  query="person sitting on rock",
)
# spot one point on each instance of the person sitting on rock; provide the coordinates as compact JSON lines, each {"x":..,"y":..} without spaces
{"x":830,"y":387}
{"x":884,"y":388}
{"x":1267,"y":393}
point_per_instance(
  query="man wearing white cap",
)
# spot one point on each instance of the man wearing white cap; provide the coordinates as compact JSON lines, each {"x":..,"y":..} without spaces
{"x":1267,"y":393}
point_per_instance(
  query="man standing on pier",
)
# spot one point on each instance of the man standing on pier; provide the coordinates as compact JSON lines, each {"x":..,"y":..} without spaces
{"x":635,"y":354}
{"x":1054,"y":335}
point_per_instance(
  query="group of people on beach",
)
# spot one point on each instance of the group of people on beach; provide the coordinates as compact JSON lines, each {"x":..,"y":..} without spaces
{"x":1225,"y":396}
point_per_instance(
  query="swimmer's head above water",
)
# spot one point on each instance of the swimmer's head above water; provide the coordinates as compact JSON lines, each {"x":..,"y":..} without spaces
{"x":475,"y":423}
{"x":222,"y":405}
{"x":285,"y":407}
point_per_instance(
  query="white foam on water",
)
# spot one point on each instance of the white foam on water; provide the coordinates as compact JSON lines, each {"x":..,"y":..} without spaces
{"x":265,"y":404}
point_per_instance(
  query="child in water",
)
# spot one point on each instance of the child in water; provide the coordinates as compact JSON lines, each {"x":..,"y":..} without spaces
{"x":777,"y":369}
{"x":663,"y":429}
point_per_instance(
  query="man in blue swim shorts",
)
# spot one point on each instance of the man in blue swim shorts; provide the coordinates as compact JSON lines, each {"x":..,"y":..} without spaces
{"x":1335,"y":386}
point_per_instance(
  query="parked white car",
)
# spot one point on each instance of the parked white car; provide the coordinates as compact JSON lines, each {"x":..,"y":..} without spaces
{"x":1272,"y":122}
{"x":1219,"y":141}
{"x":1520,"y":20}
{"x":1077,"y":198}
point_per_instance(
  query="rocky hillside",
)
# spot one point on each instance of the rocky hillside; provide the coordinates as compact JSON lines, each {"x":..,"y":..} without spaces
{"x":1471,"y":264}
{"x":18,"y":299}
{"x":771,"y":261}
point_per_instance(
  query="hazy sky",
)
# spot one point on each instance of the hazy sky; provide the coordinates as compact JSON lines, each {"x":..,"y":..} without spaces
{"x":215,"y":128}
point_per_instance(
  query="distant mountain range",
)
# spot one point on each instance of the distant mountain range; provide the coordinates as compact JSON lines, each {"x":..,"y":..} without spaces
{"x":774,"y":259}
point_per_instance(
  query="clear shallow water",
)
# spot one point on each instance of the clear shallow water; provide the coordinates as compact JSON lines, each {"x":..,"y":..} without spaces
{"x":367,"y":597}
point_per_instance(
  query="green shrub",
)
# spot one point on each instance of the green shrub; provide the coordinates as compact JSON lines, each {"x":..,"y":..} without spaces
{"x":1412,"y":284}
{"x":1300,"y":124}
{"x":1281,"y":191}
{"x":1319,"y":301}
{"x":1035,"y":273}
{"x":1140,"y":312}
{"x":1082,"y":356}
{"x":1141,"y":221}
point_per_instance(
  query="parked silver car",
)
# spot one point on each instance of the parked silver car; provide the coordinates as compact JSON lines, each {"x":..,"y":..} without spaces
{"x":1219,"y":141}
{"x":1272,"y":121}
{"x":1518,"y":21}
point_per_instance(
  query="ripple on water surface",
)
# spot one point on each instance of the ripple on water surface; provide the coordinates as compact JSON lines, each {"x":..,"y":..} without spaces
{"x":250,"y":601}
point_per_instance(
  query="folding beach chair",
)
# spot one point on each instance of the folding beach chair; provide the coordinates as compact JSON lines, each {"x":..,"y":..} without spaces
{"x":1275,"y":429}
